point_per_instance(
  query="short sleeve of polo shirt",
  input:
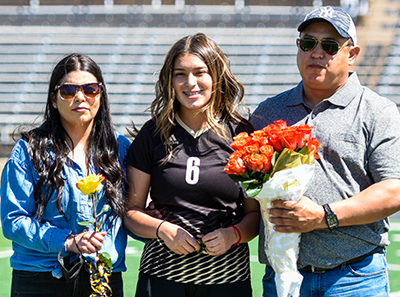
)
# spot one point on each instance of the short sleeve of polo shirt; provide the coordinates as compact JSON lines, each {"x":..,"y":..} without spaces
{"x":383,"y":153}
{"x":139,"y":153}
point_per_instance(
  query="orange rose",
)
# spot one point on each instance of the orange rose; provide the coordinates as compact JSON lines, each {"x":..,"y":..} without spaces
{"x":235,"y":165}
{"x":305,"y":130}
{"x":258,"y":133}
{"x":261,"y":139}
{"x":275,"y":139}
{"x":313,"y":145}
{"x":241,"y":140}
{"x":281,"y":124}
{"x":240,"y":152}
{"x":274,"y":133}
{"x":267,"y":150}
{"x":252,"y":148}
{"x":258,"y":162}
{"x":291,"y":139}
{"x":241,"y":135}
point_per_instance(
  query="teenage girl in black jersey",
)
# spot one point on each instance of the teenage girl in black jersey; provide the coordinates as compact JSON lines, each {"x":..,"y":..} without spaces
{"x":199,"y":248}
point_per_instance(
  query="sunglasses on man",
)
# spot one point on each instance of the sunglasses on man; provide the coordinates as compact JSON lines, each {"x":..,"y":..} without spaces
{"x":330,"y":46}
{"x":68,"y":91}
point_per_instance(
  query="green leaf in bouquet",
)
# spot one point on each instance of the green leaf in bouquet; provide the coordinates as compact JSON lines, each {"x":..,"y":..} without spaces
{"x":274,"y":158}
{"x":87,"y":223}
{"x":249,"y":182}
{"x":245,"y":176}
{"x":106,"y":258}
{"x":84,"y":224}
{"x":236,"y":178}
{"x":303,"y":150}
{"x":266,"y":177}
{"x":254,"y":189}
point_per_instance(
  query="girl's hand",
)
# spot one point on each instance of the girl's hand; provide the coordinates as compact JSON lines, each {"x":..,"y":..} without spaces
{"x":152,"y":211}
{"x":177,"y":239}
{"x":220,"y":240}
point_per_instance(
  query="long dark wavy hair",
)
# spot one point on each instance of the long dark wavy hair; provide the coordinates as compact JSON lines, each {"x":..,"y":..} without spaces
{"x":227,"y":93}
{"x":49,"y":149}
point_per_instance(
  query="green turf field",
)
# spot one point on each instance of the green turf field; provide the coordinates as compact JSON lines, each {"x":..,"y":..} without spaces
{"x":135,"y":247}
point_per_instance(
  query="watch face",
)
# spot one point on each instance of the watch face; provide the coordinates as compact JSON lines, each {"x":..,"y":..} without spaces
{"x":332,"y":221}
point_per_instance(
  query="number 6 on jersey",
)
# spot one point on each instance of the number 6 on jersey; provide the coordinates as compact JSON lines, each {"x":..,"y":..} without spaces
{"x":192,"y":170}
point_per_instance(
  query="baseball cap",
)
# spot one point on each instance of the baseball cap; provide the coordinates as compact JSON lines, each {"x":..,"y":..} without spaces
{"x":339,"y":19}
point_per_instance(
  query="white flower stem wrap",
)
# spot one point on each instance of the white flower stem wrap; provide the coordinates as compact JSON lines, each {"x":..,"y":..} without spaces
{"x":282,"y":249}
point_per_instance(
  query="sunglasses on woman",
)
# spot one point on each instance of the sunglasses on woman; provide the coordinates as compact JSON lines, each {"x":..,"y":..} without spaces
{"x":331,"y":47}
{"x":68,"y":92}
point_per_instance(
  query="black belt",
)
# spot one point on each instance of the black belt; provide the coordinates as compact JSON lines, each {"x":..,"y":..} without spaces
{"x":313,"y":269}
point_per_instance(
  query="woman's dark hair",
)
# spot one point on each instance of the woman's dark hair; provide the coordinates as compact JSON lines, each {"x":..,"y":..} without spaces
{"x":49,"y":144}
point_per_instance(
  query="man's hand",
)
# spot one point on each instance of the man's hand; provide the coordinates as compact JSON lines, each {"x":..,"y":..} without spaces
{"x":303,"y":215}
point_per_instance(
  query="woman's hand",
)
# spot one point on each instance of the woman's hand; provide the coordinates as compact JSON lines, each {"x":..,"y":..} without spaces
{"x":177,"y":239}
{"x":86,"y":242}
{"x":220,"y":240}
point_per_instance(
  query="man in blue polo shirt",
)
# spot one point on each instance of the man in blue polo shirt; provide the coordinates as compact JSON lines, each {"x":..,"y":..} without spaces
{"x":343,"y":214}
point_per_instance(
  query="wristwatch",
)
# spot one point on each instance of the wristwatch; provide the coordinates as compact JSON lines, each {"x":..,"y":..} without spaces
{"x":331,"y":218}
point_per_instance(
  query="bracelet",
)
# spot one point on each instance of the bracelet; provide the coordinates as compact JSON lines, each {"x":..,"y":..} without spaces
{"x":80,"y":252}
{"x":237,"y":232}
{"x":158,"y":228}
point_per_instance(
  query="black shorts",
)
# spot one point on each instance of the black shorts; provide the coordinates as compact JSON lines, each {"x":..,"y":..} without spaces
{"x":152,"y":286}
{"x":43,"y":284}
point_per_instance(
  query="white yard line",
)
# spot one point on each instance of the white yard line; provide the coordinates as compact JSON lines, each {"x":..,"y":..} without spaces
{"x":395,"y":237}
{"x":6,"y":253}
{"x":394,"y":226}
{"x":133,"y":252}
{"x":394,"y":267}
{"x":253,"y":258}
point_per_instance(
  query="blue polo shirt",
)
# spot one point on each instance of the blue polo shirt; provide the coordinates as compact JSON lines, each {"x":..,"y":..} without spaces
{"x":360,"y":135}
{"x":36,"y":244}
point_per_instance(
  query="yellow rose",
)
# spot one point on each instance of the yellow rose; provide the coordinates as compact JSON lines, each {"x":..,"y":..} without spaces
{"x":90,"y":184}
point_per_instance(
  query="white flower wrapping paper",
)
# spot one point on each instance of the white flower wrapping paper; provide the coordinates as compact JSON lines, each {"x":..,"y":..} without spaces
{"x":282,"y":249}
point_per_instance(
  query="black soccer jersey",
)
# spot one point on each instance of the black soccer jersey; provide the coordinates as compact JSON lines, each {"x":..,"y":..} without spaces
{"x":193,"y":191}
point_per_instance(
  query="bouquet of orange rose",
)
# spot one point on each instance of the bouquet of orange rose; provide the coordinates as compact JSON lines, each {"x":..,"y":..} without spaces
{"x":276,"y":162}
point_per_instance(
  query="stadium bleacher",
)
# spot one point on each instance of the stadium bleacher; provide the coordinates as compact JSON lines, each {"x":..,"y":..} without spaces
{"x":129,"y":43}
{"x":389,"y":80}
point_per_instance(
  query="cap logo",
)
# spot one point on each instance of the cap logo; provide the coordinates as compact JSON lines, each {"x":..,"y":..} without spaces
{"x":326,"y":12}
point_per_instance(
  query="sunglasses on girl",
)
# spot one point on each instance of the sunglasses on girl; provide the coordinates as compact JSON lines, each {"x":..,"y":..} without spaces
{"x":68,"y":92}
{"x":331,"y":47}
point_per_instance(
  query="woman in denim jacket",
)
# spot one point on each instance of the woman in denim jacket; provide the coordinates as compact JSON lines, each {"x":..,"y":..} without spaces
{"x":40,"y":203}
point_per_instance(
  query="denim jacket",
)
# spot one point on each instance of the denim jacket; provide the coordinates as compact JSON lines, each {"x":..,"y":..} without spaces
{"x":36,"y":244}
